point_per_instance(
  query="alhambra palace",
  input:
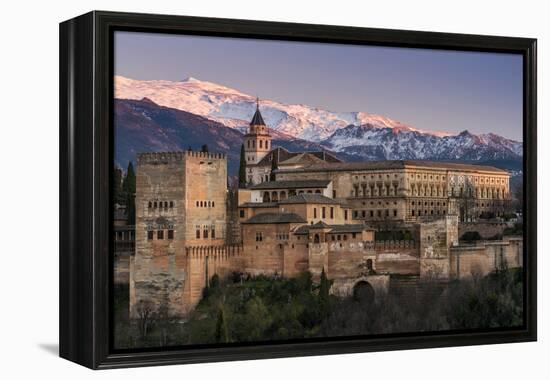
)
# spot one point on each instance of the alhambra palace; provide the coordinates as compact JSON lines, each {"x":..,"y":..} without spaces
{"x":377,"y":223}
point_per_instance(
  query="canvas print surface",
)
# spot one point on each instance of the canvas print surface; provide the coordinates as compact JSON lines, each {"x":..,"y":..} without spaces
{"x":274,"y":191}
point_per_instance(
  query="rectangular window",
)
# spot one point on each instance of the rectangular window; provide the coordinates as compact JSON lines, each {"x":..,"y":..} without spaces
{"x":354,"y":235}
{"x":241,"y":213}
{"x":314,"y":213}
{"x":160,"y":234}
{"x":379,"y":213}
{"x":394,"y":212}
{"x":363,"y":213}
{"x":345,"y":214}
{"x":323,"y":211}
{"x":205,"y":233}
{"x":332,"y":213}
{"x":371,"y":213}
{"x":334,"y":193}
{"x":259,"y":236}
{"x":170,"y":234}
{"x":213,"y":232}
{"x":198,"y":233}
{"x":149,"y":235}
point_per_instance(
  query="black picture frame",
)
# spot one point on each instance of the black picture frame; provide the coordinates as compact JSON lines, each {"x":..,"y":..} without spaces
{"x":86,"y":72}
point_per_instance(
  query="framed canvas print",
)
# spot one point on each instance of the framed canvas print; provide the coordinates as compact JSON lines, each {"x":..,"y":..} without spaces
{"x":238,"y":189}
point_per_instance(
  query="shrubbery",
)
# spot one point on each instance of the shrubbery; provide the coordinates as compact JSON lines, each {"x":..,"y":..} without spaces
{"x":267,"y":309}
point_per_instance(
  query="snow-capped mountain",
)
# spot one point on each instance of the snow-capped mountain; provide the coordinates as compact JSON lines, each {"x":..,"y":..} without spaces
{"x":358,"y":135}
{"x":235,"y":109}
{"x":372,"y":142}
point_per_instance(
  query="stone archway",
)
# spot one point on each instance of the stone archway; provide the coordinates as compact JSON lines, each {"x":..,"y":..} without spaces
{"x":363,"y":292}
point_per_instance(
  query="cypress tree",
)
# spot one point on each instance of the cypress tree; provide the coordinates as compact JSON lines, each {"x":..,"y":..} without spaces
{"x":129,"y":189}
{"x":274,"y":165}
{"x":324,"y":300}
{"x":204,"y":148}
{"x":118,"y":196}
{"x":221,"y":335}
{"x":242,"y":169}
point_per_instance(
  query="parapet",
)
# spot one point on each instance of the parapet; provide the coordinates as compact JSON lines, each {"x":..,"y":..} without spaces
{"x":167,"y":157}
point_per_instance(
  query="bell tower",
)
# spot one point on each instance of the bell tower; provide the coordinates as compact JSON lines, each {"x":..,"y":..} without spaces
{"x":257,"y":142}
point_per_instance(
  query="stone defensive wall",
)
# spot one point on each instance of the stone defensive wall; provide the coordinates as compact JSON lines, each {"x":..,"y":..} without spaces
{"x":203,"y":262}
{"x":486,"y":229}
{"x":484,"y":257}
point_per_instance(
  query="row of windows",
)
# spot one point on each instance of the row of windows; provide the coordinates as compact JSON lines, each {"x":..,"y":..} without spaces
{"x":372,"y":176}
{"x":161,"y":204}
{"x":372,"y":213}
{"x":418,"y":176}
{"x":160,"y":234}
{"x":260,"y":144}
{"x":282,"y":236}
{"x":204,"y":204}
{"x":207,"y":232}
{"x":426,"y":203}
{"x":426,"y":212}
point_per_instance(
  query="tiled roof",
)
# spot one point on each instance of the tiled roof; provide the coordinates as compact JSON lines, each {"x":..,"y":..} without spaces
{"x":257,"y":119}
{"x":334,"y":228}
{"x":274,"y":218}
{"x":283,"y":155}
{"x":259,"y":204}
{"x":309,"y":198}
{"x":394,"y":164}
{"x":299,"y":184}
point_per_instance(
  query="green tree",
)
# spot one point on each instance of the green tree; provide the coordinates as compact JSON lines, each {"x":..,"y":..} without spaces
{"x":204,"y":148}
{"x":221,"y":335}
{"x":129,"y":189}
{"x":242,"y":169}
{"x":274,"y":166}
{"x":324,"y":300}
{"x":118,"y":195}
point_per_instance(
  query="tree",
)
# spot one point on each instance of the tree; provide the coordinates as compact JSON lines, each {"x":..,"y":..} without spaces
{"x":242,"y":169}
{"x":118,"y":196}
{"x":204,"y":148}
{"x":221,"y":335}
{"x":129,"y":189}
{"x":145,"y":313}
{"x":324,"y":300}
{"x":273,"y":168}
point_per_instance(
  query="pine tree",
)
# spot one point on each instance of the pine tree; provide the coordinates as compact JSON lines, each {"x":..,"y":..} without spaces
{"x":204,"y":148}
{"x":324,"y":300}
{"x":129,"y":189}
{"x":242,"y":169}
{"x":221,"y":335}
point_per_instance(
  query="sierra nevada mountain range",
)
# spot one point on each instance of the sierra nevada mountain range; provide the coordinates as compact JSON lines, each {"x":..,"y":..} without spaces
{"x":351,"y":135}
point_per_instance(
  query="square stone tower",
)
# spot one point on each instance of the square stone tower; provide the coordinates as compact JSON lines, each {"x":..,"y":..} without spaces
{"x":180,"y":202}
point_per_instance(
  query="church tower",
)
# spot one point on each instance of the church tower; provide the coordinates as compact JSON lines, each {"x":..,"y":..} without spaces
{"x":257,"y":142}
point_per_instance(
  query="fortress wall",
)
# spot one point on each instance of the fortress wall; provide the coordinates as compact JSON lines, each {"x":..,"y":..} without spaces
{"x":487,"y":230}
{"x":203,"y":262}
{"x":295,"y":258}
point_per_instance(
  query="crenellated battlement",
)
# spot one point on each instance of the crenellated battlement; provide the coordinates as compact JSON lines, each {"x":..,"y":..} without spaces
{"x":167,"y":157}
{"x":223,"y":252}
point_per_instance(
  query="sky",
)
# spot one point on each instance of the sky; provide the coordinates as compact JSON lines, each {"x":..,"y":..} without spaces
{"x":435,"y":90}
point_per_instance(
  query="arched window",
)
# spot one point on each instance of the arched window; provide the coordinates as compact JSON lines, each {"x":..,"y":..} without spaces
{"x":261,"y":144}
{"x":150,"y":204}
{"x":155,"y":204}
{"x":171,"y":204}
{"x":316,"y":239}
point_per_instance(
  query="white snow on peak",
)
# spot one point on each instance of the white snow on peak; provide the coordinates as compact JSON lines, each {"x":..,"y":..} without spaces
{"x":235,"y":109}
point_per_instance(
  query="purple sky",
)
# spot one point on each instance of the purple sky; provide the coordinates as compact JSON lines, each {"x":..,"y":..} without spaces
{"x":428,"y":89}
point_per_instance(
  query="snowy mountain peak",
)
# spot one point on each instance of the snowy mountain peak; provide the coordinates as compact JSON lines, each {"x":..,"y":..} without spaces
{"x":234,"y":108}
